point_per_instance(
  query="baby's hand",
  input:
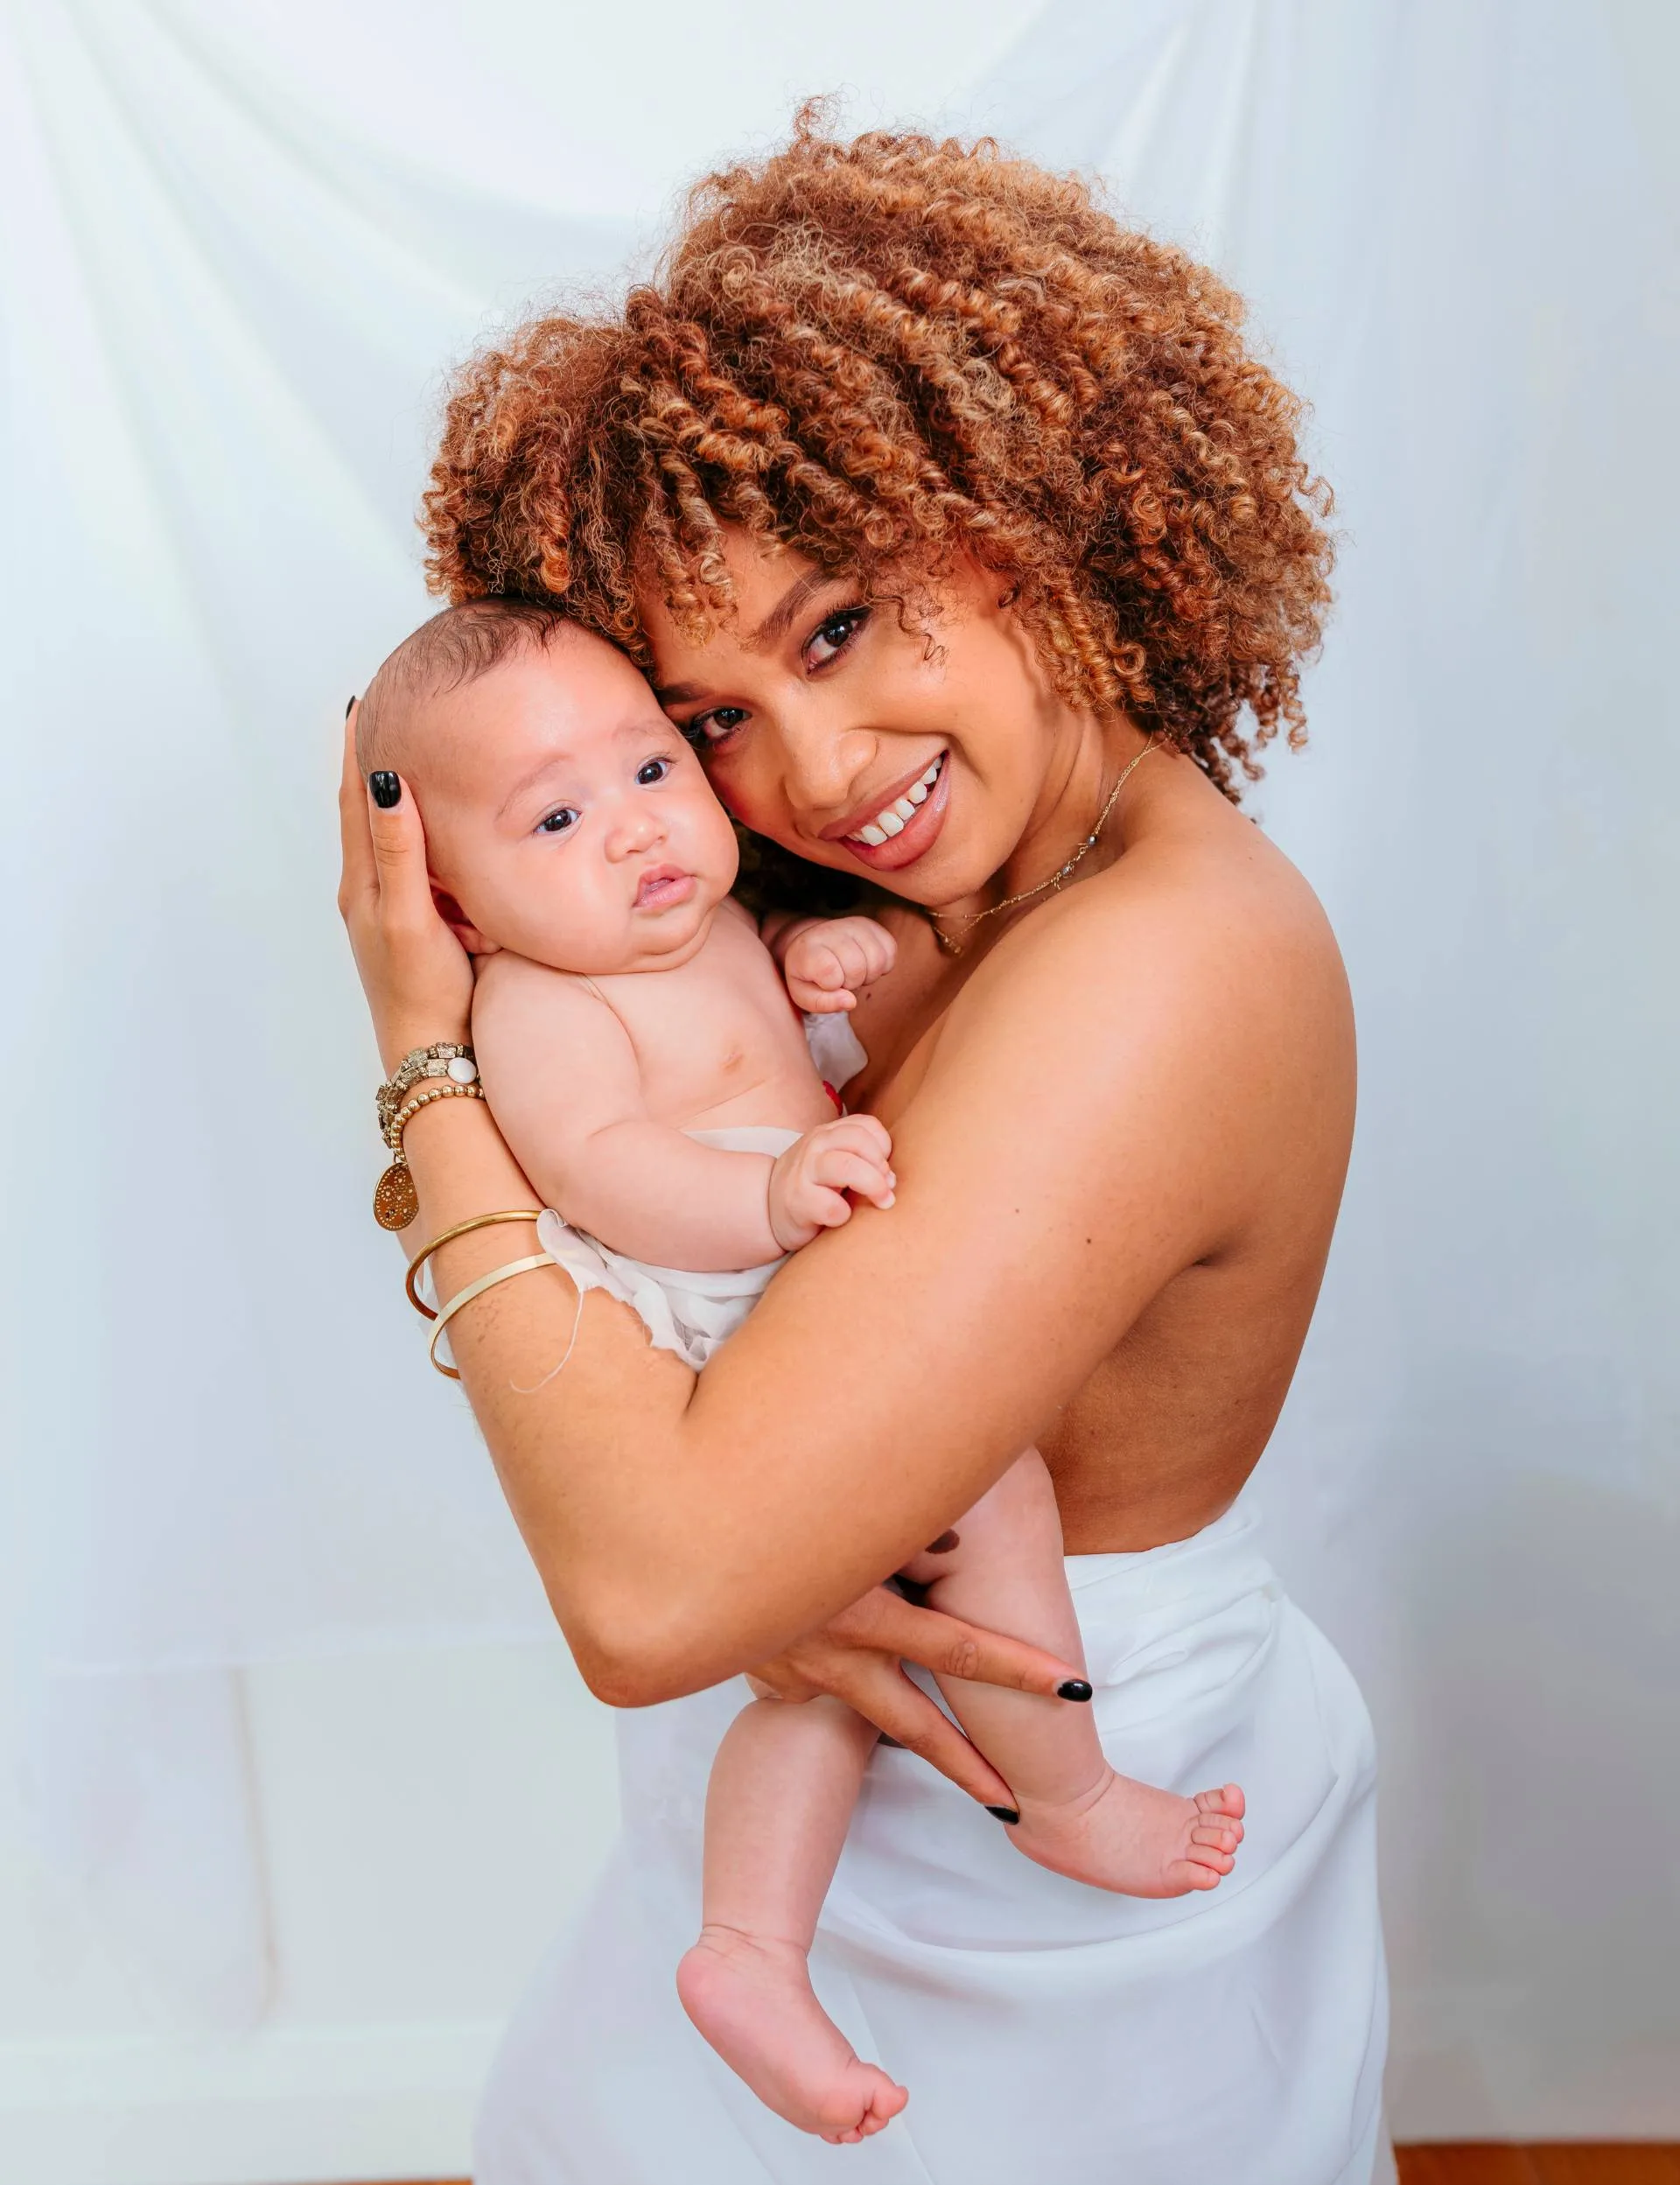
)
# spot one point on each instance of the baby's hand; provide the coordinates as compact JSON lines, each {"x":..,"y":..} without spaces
{"x":828,"y":960}
{"x":809,"y":1183}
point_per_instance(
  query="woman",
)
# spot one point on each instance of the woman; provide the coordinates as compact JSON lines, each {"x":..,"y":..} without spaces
{"x":913,"y":459}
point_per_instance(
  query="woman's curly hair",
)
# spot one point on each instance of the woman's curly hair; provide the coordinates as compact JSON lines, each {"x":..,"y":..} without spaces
{"x":885,"y":351}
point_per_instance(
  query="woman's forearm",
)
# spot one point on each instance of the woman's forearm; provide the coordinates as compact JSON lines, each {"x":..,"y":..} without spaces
{"x":504,"y":1344}
{"x":679,"y":1540}
{"x":686,"y":1528}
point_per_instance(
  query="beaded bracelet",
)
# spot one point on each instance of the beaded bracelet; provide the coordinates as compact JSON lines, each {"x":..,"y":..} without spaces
{"x":395,"y":1200}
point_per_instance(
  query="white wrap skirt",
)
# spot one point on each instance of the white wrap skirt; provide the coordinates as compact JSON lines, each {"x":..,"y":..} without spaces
{"x":1046,"y":2031}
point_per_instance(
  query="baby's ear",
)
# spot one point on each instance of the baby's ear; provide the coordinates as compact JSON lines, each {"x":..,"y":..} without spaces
{"x":458,"y":923}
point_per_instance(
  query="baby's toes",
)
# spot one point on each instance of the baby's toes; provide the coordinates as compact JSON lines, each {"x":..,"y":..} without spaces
{"x":1224,"y":1835}
{"x":1227,"y":1802}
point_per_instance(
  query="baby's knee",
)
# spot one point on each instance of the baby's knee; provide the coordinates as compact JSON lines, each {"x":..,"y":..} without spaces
{"x":1020,"y":1508}
{"x":1016,"y":1516}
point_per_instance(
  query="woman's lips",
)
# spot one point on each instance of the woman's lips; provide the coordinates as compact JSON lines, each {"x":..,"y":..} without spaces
{"x":916,"y":834}
{"x":663,"y":888}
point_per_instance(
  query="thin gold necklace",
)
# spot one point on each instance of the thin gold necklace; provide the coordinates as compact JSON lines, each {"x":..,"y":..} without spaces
{"x":1009,"y":902}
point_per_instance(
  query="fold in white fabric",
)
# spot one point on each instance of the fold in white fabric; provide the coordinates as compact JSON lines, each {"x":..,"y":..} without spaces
{"x":1045,"y":2029}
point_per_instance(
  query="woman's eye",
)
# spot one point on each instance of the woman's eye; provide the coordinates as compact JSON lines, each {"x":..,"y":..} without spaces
{"x":831,"y":638}
{"x":709,"y":729}
{"x":560,"y":822}
{"x":652,"y":770}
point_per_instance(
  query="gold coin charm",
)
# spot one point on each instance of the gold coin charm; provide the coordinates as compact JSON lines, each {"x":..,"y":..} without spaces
{"x":395,"y":1200}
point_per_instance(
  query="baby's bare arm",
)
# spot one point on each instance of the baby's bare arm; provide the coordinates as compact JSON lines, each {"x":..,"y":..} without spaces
{"x":565,"y":1087}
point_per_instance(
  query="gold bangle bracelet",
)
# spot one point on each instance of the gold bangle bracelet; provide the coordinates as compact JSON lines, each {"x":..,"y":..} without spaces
{"x":477,"y":1290}
{"x":461,"y":1228}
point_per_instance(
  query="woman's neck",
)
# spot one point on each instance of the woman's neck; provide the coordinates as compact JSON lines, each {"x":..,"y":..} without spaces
{"x":1086,"y":763}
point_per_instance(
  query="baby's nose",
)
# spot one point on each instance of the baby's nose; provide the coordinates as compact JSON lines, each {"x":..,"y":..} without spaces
{"x":635,"y":831}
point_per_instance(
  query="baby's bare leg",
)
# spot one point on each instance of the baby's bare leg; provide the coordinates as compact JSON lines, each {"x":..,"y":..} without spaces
{"x":1001,"y":1566}
{"x":783,"y":1787}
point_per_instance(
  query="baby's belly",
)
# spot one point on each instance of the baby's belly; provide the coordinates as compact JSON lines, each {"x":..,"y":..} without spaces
{"x":784,"y":1102}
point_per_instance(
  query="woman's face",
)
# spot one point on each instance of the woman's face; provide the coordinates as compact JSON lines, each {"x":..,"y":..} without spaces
{"x":915,"y":756}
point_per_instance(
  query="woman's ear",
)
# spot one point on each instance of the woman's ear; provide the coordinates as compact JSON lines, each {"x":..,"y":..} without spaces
{"x":458,"y":923}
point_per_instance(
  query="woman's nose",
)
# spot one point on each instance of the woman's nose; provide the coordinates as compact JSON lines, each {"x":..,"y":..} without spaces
{"x":822,"y":767}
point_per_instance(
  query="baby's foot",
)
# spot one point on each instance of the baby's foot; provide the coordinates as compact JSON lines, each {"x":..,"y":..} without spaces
{"x":753,"y":2000}
{"x":1130,"y":1837}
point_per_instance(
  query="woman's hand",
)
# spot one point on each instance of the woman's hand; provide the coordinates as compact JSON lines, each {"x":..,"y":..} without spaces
{"x":858,"y":1657}
{"x":415,"y":974}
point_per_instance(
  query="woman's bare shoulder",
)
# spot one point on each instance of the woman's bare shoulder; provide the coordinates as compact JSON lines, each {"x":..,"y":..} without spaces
{"x":1190,"y":1000}
{"x":1205,"y":912}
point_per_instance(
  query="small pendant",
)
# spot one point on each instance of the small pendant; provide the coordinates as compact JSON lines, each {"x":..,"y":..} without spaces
{"x":395,"y":1200}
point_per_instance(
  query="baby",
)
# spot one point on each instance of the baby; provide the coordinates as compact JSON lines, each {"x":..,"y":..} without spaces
{"x":636,"y":1042}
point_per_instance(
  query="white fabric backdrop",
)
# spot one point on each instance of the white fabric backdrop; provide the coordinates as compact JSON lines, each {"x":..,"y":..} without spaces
{"x":243,"y":244}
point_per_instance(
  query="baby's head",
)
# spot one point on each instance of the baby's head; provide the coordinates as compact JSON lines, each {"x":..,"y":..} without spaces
{"x":566,"y":819}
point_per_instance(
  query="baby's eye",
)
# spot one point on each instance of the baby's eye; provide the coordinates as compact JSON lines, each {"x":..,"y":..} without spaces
{"x":652,"y":770}
{"x":831,"y":637}
{"x":707,"y":730}
{"x":560,"y":822}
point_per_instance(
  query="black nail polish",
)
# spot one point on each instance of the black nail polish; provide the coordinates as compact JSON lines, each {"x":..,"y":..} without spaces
{"x":943,"y":1545}
{"x":387,"y":790}
{"x":1005,"y":1813}
{"x":348,"y":703}
{"x":1075,"y":1688}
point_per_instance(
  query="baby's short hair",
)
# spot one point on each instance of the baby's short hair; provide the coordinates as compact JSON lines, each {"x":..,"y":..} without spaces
{"x":449,"y":651}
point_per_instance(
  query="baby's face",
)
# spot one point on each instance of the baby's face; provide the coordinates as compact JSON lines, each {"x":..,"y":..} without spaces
{"x":568,"y":818}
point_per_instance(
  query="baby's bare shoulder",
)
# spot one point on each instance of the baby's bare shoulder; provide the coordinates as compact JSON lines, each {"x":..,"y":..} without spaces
{"x":513,"y":995}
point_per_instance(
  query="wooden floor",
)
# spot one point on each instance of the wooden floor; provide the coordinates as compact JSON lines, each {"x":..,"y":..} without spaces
{"x":1573,"y":2165}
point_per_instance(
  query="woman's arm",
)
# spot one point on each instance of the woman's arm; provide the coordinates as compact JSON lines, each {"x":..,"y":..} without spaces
{"x":1048,"y":1190}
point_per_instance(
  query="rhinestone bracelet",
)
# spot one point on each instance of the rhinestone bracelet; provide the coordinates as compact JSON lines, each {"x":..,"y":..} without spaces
{"x":446,"y":1058}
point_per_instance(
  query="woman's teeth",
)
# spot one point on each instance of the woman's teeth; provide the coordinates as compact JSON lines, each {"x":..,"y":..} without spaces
{"x":885,"y":825}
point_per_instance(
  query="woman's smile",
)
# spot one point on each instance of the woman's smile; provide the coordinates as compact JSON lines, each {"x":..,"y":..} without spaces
{"x":900,"y":823}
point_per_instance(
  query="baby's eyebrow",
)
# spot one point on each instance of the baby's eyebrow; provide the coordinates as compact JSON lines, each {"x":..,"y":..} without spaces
{"x":529,"y":780}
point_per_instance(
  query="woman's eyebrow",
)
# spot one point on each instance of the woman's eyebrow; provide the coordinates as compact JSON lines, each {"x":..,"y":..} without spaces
{"x":775,"y":625}
{"x":770,"y":632}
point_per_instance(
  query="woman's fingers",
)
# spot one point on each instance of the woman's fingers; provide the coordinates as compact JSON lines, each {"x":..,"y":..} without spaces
{"x":358,"y":877}
{"x":949,"y":1647}
{"x":415,"y":974}
{"x":399,"y":853}
{"x":884,"y":1695}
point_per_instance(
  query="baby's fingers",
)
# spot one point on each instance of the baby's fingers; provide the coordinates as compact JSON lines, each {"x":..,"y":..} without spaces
{"x":843,"y":1171}
{"x":864,"y":1134}
{"x":817,"y":1001}
{"x":827,"y":966}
